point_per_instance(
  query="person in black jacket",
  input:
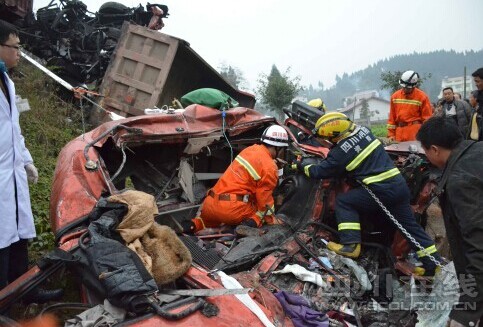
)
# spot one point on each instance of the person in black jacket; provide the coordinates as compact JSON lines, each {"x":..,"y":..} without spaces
{"x":474,"y":129}
{"x":478,"y":78}
{"x":476,"y":125}
{"x":360,"y":156}
{"x":461,"y":197}
{"x":456,"y":111}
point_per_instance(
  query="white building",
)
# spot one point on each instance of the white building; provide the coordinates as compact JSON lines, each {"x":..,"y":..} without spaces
{"x":457,"y":83}
{"x":360,"y":95}
{"x":378,"y":109}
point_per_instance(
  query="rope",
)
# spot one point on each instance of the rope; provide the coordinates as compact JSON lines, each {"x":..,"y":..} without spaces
{"x":79,"y":93}
{"x":223,"y":117}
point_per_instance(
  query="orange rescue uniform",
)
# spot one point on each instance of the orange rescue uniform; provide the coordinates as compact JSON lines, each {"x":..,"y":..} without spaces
{"x":407,"y":113}
{"x":244,"y":191}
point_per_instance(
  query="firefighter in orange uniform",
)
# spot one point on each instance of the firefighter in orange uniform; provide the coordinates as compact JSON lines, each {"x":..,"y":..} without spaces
{"x":410,"y":107}
{"x":243,"y":195}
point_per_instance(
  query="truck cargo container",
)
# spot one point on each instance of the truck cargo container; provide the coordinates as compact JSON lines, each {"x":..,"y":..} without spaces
{"x":149,"y":69}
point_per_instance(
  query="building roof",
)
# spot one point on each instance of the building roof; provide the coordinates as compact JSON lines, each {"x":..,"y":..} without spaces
{"x":358,"y":103}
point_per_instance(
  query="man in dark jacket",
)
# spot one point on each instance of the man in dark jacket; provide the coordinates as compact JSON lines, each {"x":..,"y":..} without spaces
{"x":461,"y":197}
{"x":478,"y":78}
{"x":476,"y":126}
{"x":456,"y":111}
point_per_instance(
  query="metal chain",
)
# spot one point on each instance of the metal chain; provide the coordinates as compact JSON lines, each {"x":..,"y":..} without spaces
{"x":405,"y":232}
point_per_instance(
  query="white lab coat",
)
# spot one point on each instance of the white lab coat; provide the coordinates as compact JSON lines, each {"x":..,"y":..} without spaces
{"x":13,"y":158}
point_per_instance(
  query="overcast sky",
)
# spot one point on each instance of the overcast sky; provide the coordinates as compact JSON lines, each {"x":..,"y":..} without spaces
{"x":317,"y":38}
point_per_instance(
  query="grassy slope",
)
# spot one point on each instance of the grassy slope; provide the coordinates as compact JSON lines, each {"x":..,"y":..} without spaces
{"x":46,"y":129}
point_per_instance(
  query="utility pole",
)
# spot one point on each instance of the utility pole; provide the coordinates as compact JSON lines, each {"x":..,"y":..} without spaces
{"x":464,"y":84}
{"x":354,"y":110}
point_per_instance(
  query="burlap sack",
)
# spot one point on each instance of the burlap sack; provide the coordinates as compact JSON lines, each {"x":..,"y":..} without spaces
{"x":140,"y":216}
{"x":160,"y":249}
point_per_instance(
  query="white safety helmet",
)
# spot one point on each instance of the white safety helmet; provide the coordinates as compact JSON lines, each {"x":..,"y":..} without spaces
{"x":275,"y":135}
{"x":409,"y":79}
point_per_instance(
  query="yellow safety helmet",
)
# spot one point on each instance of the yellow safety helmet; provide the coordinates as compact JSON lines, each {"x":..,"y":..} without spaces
{"x":333,"y":126}
{"x":317,"y":103}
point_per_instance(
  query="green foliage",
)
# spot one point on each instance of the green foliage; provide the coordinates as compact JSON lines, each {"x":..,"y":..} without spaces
{"x":233,"y":75}
{"x":47,"y":127}
{"x":365,"y":111}
{"x":365,"y":114}
{"x":379,"y":130}
{"x":278,"y":90}
{"x":390,"y":80}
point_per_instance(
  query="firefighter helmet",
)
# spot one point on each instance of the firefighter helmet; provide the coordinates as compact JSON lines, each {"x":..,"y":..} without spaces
{"x":333,"y":126}
{"x":275,"y":135}
{"x":317,"y":103}
{"x":409,"y":79}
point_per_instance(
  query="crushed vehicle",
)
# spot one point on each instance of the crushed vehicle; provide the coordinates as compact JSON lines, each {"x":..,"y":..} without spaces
{"x":117,"y":57}
{"x":234,"y":279}
{"x":73,"y":40}
{"x":149,"y":69}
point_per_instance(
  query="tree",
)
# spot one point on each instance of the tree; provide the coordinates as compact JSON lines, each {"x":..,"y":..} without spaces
{"x":365,"y":112}
{"x":390,"y":80}
{"x":278,"y":90}
{"x":233,"y":75}
{"x":321,"y":85}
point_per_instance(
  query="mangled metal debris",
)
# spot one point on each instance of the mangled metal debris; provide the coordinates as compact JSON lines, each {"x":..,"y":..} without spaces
{"x":77,"y":42}
{"x":176,"y":158}
{"x":117,"y":56}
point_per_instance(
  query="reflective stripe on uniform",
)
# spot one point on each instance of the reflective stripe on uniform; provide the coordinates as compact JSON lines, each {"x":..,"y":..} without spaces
{"x":268,"y":212}
{"x":429,"y":250}
{"x":406,"y":101}
{"x":307,"y":170}
{"x":261,"y":215}
{"x":248,"y":167}
{"x":363,"y":155}
{"x":349,"y":226}
{"x":201,"y":220}
{"x":382,"y":176}
{"x":390,"y":126}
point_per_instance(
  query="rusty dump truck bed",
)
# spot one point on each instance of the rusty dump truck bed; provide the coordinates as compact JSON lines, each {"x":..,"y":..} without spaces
{"x":148,"y":69}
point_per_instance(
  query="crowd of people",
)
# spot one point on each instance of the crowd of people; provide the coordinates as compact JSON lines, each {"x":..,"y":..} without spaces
{"x":410,"y":107}
{"x":449,"y":136}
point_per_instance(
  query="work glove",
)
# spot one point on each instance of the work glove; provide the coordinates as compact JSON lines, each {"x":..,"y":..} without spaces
{"x":301,"y":166}
{"x":32,"y":173}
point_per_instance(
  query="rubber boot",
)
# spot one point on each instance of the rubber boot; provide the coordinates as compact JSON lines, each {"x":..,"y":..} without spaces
{"x":347,"y":250}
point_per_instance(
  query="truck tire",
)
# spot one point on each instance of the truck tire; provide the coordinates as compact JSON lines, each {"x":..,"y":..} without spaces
{"x":113,"y":7}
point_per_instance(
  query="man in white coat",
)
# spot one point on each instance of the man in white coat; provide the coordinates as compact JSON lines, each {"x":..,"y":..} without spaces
{"x":16,"y":168}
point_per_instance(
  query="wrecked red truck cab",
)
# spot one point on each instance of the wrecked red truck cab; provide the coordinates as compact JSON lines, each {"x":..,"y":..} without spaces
{"x":155,"y":154}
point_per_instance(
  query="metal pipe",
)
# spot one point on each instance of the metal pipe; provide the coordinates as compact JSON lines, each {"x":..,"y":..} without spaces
{"x":178,"y":210}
